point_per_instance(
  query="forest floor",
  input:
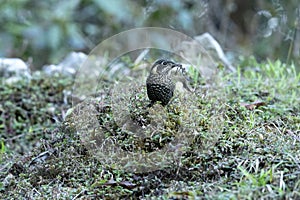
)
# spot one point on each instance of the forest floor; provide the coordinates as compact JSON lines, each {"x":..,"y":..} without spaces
{"x":236,"y":137}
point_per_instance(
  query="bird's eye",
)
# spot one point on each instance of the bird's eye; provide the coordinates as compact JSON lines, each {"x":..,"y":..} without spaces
{"x":164,"y":63}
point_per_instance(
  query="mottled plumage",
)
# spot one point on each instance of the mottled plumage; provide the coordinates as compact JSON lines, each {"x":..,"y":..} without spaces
{"x":160,"y":86}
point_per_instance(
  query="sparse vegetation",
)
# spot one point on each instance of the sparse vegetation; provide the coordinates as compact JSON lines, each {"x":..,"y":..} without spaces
{"x":255,"y":154}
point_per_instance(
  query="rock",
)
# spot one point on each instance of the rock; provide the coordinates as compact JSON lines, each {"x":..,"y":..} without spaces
{"x":68,"y":66}
{"x":205,"y":53}
{"x":214,"y":49}
{"x":14,"y":67}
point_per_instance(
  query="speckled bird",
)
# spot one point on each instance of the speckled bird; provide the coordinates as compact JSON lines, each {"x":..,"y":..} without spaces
{"x":160,"y":86}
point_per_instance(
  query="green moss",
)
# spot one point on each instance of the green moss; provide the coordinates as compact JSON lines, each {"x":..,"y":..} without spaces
{"x":231,"y":152}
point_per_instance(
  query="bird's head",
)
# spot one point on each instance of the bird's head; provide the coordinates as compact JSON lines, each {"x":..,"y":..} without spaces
{"x":163,"y":67}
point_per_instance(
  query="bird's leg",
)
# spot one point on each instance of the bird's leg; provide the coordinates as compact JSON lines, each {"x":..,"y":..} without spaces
{"x":151,"y":104}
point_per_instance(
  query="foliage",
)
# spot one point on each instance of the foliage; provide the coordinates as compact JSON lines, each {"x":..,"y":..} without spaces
{"x":44,"y":31}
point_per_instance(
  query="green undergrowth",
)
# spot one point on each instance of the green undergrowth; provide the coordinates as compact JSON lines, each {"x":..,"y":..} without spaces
{"x":30,"y":107}
{"x":242,"y":137}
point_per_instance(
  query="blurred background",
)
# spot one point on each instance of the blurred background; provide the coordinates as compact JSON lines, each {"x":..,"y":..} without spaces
{"x":43,"y":32}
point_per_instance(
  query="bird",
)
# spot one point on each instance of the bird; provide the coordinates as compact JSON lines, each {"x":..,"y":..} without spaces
{"x":160,"y":86}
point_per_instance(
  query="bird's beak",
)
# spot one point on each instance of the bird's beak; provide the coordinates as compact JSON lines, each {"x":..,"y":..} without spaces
{"x":177,"y":65}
